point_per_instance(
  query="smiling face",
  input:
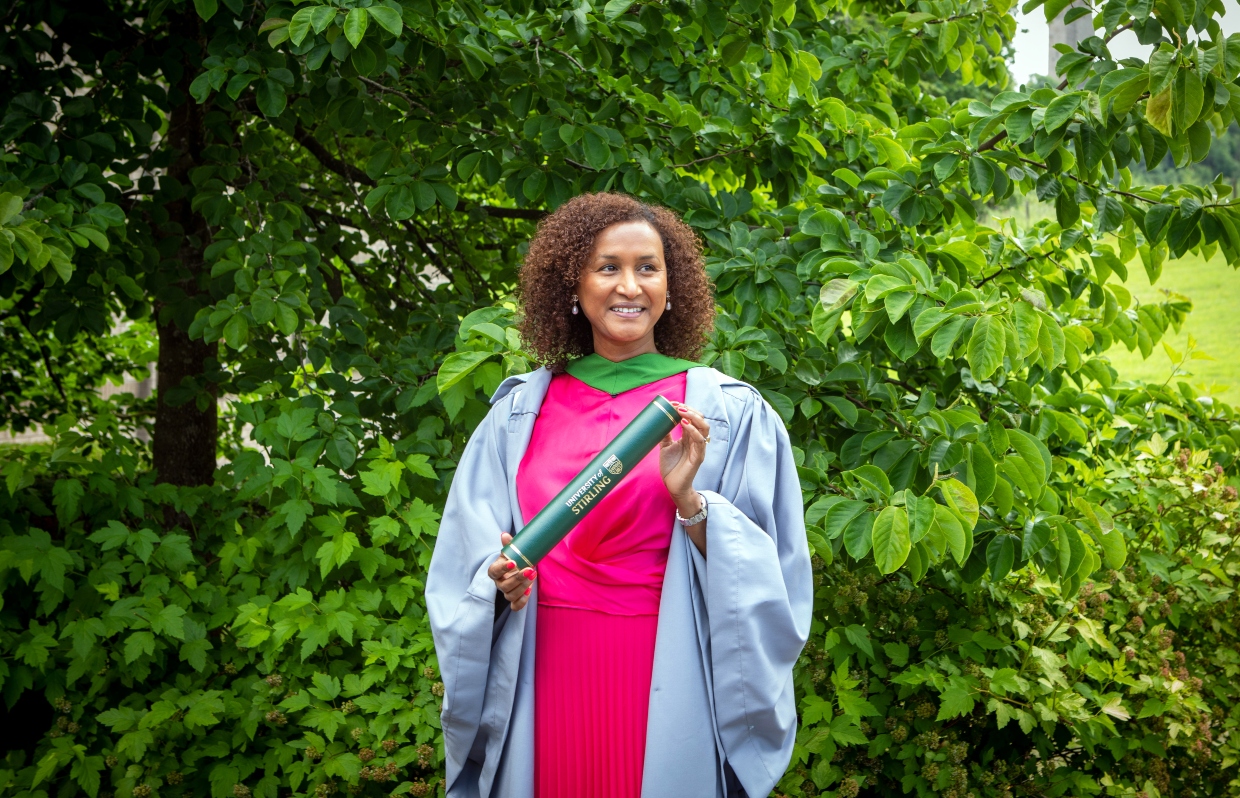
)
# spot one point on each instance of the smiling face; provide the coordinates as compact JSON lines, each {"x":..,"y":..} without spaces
{"x":623,"y":289}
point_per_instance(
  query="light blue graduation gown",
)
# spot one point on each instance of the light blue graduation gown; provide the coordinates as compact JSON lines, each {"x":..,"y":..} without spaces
{"x":731,"y":625}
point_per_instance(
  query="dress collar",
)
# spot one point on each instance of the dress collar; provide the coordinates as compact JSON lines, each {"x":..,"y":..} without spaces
{"x":615,"y":378}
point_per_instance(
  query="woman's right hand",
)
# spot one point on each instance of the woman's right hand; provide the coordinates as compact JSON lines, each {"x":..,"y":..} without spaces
{"x":512,"y":581}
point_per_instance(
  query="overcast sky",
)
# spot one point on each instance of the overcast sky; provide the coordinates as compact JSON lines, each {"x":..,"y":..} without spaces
{"x":1031,"y":41}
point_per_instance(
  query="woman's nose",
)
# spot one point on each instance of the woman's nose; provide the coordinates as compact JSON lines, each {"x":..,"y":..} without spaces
{"x":628,"y":284}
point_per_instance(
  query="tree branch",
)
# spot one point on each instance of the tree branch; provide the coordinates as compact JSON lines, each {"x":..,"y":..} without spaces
{"x":505,"y":213}
{"x":407,"y":98}
{"x":724,"y":154}
{"x":346,"y":170}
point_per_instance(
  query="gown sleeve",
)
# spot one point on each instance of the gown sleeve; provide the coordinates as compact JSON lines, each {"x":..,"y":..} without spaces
{"x":460,"y":597}
{"x":758,"y":589}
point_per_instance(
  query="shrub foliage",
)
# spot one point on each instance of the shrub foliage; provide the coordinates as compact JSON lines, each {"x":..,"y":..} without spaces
{"x":309,"y":215}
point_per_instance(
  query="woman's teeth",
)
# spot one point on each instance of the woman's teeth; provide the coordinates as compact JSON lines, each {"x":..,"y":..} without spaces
{"x":627,"y":311}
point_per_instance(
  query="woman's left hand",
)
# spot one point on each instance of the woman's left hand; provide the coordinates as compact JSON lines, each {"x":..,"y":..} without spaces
{"x":679,"y":460}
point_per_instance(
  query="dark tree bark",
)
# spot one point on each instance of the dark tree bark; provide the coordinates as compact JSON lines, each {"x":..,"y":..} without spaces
{"x":186,"y":434}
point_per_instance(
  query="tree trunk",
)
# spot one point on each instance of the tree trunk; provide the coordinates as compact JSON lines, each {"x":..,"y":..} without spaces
{"x":185,"y":426}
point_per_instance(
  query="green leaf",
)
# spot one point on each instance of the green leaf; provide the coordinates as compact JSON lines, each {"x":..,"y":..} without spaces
{"x":1060,"y":110}
{"x":960,"y":500}
{"x":399,"y":203}
{"x":956,"y":701}
{"x":598,"y":153}
{"x":986,"y":347}
{"x":1001,"y":555}
{"x":1187,"y":99}
{"x":981,"y":175}
{"x":271,"y":98}
{"x":10,"y":206}
{"x":1032,"y":451}
{"x":1027,"y":323}
{"x":321,"y":17}
{"x":206,"y":8}
{"x":890,"y":539}
{"x":237,"y":331}
{"x":355,"y":25}
{"x":48,"y":765}
{"x":388,"y":18}
{"x":944,"y":340}
{"x":837,"y":293}
{"x":840,"y":515}
{"x":615,"y":8}
{"x":1158,"y":112}
{"x":1037,"y":535}
{"x":953,"y":532}
{"x":920,"y":515}
{"x":424,"y":195}
{"x":456,"y":367}
{"x":299,"y":26}
{"x":873,"y":479}
{"x":857,"y":536}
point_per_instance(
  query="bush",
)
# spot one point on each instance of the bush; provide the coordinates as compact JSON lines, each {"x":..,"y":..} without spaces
{"x":1026,"y":564}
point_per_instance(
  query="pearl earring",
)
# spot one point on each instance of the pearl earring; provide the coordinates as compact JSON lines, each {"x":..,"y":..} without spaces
{"x":575,"y":311}
{"x":669,"y":302}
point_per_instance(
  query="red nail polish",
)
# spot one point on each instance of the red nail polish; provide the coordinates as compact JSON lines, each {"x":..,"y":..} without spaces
{"x":528,"y":573}
{"x":511,"y":565}
{"x":527,"y":590}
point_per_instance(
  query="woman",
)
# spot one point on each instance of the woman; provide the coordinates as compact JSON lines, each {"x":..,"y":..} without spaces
{"x":652,"y":652}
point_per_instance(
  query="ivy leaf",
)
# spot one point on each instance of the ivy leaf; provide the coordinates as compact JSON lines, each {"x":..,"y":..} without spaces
{"x":859,"y":636}
{"x":845,"y":731}
{"x":67,"y":498}
{"x":956,"y":701}
{"x":854,"y":705}
{"x":203,"y":709}
{"x":138,"y":644}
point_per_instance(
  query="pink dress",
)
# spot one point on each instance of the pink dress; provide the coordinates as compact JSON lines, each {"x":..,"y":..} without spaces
{"x":598,"y":595}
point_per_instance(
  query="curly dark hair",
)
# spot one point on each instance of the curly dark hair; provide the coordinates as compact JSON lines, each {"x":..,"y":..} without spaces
{"x":558,"y":252}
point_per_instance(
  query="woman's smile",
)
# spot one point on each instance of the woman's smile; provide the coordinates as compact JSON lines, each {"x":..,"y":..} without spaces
{"x":628,"y":311}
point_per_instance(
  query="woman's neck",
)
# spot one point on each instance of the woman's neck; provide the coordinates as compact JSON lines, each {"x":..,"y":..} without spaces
{"x":617,"y":351}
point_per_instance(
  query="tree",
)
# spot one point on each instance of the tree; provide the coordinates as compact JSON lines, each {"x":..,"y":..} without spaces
{"x":318,"y":209}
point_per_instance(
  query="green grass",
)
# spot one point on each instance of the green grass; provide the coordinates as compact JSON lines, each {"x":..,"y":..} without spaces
{"x":1214,"y":288}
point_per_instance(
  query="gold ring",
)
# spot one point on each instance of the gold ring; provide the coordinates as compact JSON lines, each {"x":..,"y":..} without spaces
{"x":707,"y":439}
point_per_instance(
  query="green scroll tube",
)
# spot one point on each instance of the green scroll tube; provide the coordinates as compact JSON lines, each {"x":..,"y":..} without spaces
{"x":596,"y":480}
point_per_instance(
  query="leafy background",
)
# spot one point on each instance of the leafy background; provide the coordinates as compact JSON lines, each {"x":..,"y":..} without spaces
{"x":307,"y":217}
